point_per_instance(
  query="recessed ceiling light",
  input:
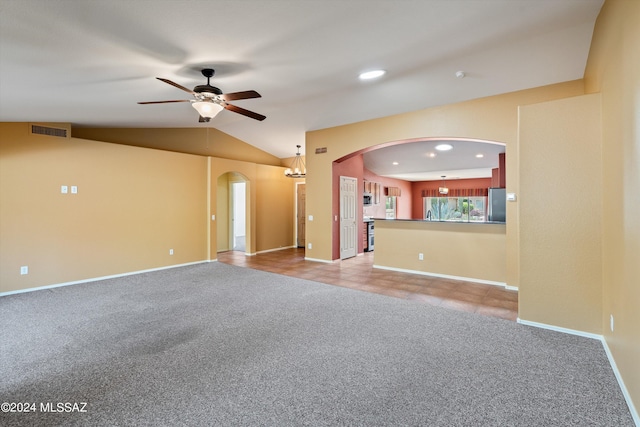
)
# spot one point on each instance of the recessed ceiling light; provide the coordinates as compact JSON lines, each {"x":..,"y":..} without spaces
{"x":444,"y":147}
{"x":395,"y":163}
{"x":431,"y":154}
{"x":373,"y":74}
{"x":480,"y":155}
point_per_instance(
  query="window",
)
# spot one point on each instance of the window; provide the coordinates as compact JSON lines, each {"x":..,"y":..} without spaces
{"x":390,"y":207}
{"x":463,"y":209}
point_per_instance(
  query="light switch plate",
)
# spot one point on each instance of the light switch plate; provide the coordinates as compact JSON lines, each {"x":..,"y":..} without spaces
{"x":511,"y":197}
{"x":64,"y":189}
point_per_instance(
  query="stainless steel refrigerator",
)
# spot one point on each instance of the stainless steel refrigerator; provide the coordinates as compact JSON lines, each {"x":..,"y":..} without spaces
{"x":497,"y":205}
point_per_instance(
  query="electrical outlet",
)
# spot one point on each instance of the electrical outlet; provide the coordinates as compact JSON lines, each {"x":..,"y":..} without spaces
{"x":611,"y":322}
{"x":310,"y":217}
{"x":170,"y":251}
{"x":420,"y":257}
{"x":24,"y":270}
{"x":310,"y":246}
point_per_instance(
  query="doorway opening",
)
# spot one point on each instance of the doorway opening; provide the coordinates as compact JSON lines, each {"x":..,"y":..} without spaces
{"x":233,"y":207}
{"x":238,"y":205}
{"x":300,"y":214}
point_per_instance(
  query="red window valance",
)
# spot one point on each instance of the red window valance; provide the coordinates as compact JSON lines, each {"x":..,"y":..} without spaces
{"x":457,"y":192}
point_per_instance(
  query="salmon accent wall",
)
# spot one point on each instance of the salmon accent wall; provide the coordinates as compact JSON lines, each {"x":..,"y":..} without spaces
{"x":403,"y":202}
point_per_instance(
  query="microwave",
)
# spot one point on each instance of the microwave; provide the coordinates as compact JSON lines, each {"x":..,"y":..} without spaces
{"x":367,"y":200}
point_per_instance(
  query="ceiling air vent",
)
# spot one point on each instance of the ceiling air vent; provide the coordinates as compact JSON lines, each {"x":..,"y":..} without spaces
{"x":48,"y":131}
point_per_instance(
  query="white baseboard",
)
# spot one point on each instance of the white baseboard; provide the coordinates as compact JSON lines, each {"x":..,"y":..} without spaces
{"x":95,"y":279}
{"x":318,"y":260}
{"x":560,"y":329}
{"x":623,"y":387}
{"x":275,"y":249}
{"x":612,"y":362}
{"x":445,"y":276}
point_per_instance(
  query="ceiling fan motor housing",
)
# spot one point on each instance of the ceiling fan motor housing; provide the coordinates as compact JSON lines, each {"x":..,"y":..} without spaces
{"x":207,"y":89}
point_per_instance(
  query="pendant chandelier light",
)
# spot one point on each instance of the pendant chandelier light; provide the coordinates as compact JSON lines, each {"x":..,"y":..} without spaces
{"x":297,"y":169}
{"x":443,"y":189}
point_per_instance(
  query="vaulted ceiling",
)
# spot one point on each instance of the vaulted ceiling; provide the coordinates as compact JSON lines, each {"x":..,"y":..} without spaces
{"x":89,"y":62}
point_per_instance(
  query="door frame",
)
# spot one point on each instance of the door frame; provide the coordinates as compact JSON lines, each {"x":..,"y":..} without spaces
{"x":345,"y":222}
{"x":295,"y":210}
{"x":232,"y":212}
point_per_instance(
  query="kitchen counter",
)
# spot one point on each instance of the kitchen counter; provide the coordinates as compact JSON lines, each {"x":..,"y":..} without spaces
{"x":474,"y":251}
{"x":440,"y":222}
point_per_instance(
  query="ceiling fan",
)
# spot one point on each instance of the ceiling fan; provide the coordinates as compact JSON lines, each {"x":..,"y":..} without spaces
{"x":209,"y":100}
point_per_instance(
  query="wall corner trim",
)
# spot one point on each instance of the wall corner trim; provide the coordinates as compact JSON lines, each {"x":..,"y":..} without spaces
{"x":623,"y":387}
{"x":612,"y":362}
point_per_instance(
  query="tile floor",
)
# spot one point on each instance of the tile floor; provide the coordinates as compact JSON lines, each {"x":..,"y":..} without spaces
{"x":358,"y":273}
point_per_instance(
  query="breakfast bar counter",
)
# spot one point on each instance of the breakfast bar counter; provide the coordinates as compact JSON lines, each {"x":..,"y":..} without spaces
{"x":473,"y":251}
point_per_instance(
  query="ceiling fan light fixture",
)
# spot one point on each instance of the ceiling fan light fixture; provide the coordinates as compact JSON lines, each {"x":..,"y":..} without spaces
{"x":207,"y":109}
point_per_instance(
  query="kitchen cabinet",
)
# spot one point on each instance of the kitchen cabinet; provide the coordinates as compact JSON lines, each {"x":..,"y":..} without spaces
{"x":373,"y":188}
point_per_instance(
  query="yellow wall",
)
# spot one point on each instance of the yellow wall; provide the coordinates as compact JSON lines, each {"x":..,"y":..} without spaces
{"x":613,"y":70}
{"x":493,"y":118}
{"x":561,"y":214}
{"x":270,"y":198}
{"x":471,"y":251}
{"x":275,"y":197}
{"x":205,"y":141}
{"x":132,"y":206}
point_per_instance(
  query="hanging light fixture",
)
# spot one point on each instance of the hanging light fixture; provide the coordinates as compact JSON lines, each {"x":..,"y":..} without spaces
{"x":207,"y":109}
{"x":443,"y":189}
{"x":297,"y":169}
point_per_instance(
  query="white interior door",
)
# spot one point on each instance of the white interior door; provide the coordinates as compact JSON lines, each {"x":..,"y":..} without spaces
{"x":348,"y":224}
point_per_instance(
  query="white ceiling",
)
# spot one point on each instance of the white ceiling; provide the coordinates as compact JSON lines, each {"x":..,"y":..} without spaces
{"x":89,"y":62}
{"x":421,"y":161}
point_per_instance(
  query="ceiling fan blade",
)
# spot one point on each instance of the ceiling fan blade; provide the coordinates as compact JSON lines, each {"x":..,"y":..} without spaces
{"x":247,"y":94}
{"x":164,"y":102}
{"x":176,"y":85}
{"x":245,"y":112}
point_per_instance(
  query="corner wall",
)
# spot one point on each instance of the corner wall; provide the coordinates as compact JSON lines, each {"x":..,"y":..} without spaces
{"x":560,"y":214}
{"x":133,"y":205}
{"x":493,"y":118}
{"x":613,"y":69}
